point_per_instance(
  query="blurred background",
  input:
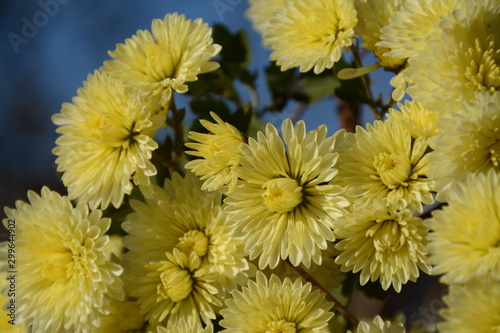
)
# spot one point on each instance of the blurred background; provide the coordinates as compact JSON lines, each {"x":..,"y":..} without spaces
{"x":47,"y":49}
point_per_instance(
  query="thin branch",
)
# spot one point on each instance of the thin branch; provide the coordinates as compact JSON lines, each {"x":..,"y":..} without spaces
{"x":254,"y":98}
{"x":359,"y":64}
{"x":336,"y":304}
{"x":298,"y":112}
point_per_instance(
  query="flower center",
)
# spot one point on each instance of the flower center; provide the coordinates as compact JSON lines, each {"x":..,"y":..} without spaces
{"x":281,"y":326}
{"x":393,"y":169}
{"x":387,"y":236}
{"x":194,"y":240}
{"x":483,"y":71}
{"x":56,"y":267}
{"x":495,"y":153}
{"x":159,"y":62}
{"x":282,"y":194}
{"x":176,"y":283}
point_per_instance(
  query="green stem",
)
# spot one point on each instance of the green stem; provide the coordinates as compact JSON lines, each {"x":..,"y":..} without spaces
{"x":336,"y":304}
{"x":369,"y":94}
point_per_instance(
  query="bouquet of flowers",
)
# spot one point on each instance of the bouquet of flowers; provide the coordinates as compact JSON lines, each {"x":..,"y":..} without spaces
{"x":235,"y":225}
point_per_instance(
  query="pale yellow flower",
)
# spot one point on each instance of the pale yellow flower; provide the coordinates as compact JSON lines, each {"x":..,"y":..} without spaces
{"x":311,"y":33}
{"x":420,"y":122}
{"x":462,"y":62}
{"x":64,"y":281}
{"x":284,"y":205}
{"x":105,"y":143}
{"x":378,"y":325}
{"x":184,"y":217}
{"x":469,"y":143}
{"x":465,"y":237}
{"x":219,"y":154}
{"x":472,"y":308}
{"x":179,"y":286}
{"x":260,"y":12}
{"x":383,"y":161}
{"x":384,"y":242}
{"x":276,"y":306}
{"x":163,"y":60}
{"x":373,"y":15}
{"x":415,"y":23}
{"x":123,"y":317}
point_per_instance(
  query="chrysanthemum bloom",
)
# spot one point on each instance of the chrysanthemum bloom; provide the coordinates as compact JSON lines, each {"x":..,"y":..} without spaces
{"x":219,"y":154}
{"x":465,"y":237}
{"x":462,"y":62}
{"x":378,"y":325}
{"x":183,"y":216}
{"x":161,"y":61}
{"x":284,"y":205}
{"x":472,"y":307}
{"x":383,"y":161}
{"x":384,"y":242}
{"x":123,"y":317}
{"x":469,"y":142}
{"x":415,"y":22}
{"x":311,"y":33}
{"x":420,"y":122}
{"x":106,"y":142}
{"x":276,"y":306}
{"x":184,"y":326}
{"x":64,"y":281}
{"x":179,"y":286}
{"x":260,"y":12}
{"x":372,"y":16}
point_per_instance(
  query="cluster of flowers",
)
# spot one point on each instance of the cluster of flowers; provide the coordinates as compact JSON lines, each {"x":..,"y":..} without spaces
{"x":214,"y":242}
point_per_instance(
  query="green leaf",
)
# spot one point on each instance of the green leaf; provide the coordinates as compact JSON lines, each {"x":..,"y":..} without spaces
{"x":317,"y":86}
{"x":202,"y":107}
{"x":235,"y":47}
{"x":280,"y":84}
{"x":351,"y":91}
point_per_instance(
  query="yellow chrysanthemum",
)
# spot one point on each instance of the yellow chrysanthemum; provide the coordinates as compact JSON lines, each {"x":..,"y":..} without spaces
{"x":420,"y":122}
{"x":384,"y":242}
{"x":385,"y":162}
{"x":106,"y":142}
{"x":64,"y":280}
{"x":184,"y":326}
{"x":183,"y":216}
{"x":372,"y":16}
{"x":123,"y":317}
{"x":415,"y":23}
{"x":165,"y":59}
{"x":378,"y":325}
{"x":473,"y":307}
{"x":284,"y":205}
{"x":461,"y":63}
{"x":179,"y":286}
{"x":276,"y":306}
{"x":465,"y":237}
{"x":311,"y":33}
{"x":219,"y":154}
{"x":261,"y":12}
{"x":469,"y":143}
